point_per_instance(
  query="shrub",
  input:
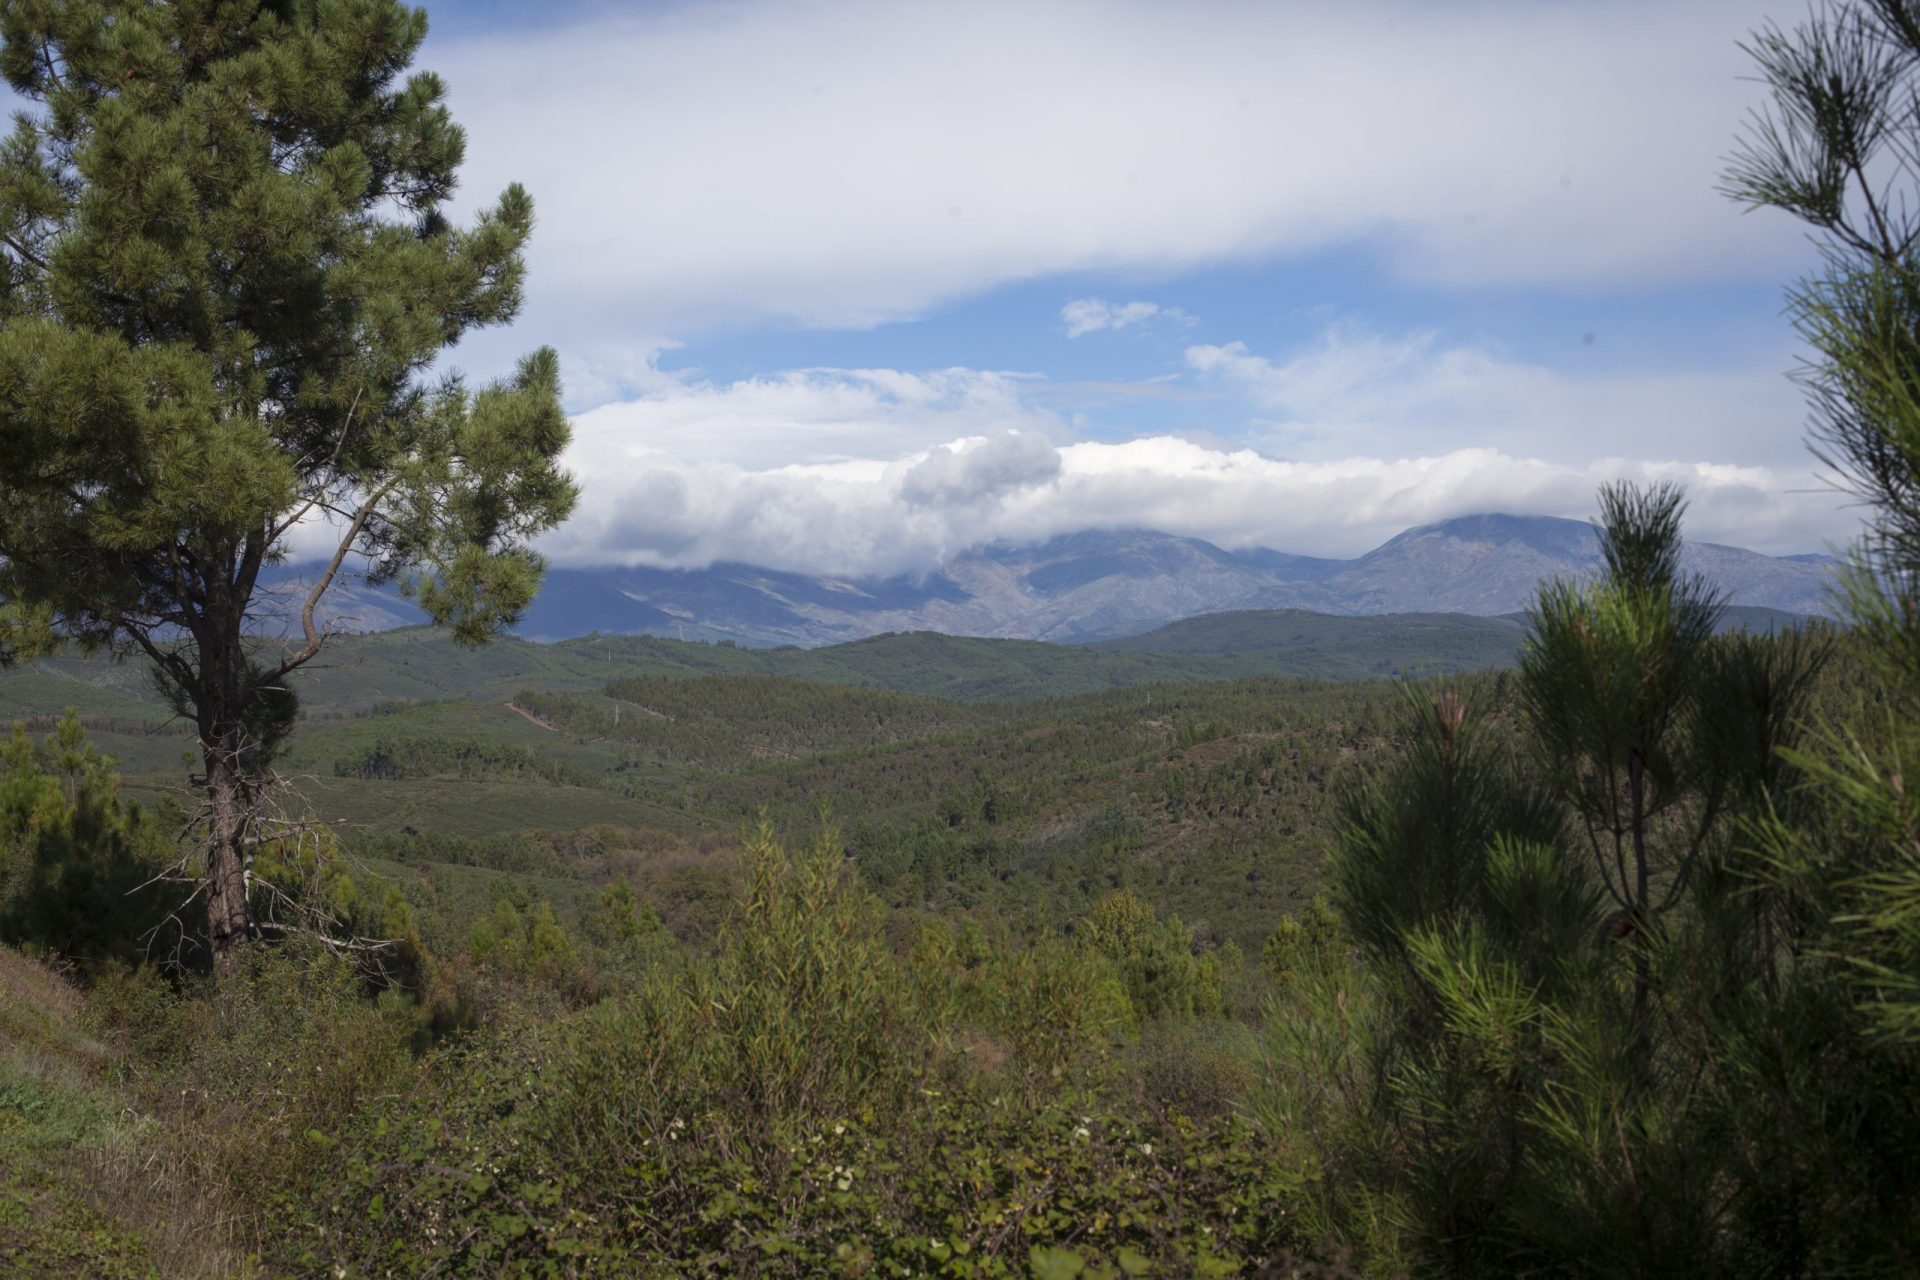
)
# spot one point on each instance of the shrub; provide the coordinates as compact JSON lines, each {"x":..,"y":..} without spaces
{"x":1056,"y":1006}
{"x":1303,"y":944}
{"x":516,"y":945}
{"x":75,"y":862}
{"x":1198,"y":1069}
{"x":943,"y":1184}
{"x":805,"y":994}
{"x":1155,"y":959}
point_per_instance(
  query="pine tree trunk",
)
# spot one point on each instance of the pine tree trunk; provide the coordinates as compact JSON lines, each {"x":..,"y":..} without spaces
{"x":230,"y":796}
{"x":229,"y":917}
{"x":1642,"y":936}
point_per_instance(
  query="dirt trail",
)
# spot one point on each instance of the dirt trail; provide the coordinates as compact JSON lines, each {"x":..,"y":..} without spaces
{"x":544,"y":724}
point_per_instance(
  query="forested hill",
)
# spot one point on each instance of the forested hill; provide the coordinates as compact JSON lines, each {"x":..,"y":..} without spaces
{"x":543,"y":761}
{"x":358,"y":672}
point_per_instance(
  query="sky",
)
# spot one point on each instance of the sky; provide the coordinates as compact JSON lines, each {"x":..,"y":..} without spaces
{"x":847,"y":288}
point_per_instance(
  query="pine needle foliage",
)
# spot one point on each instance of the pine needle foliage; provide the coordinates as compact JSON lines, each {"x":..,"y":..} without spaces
{"x":76,"y":861}
{"x":1599,"y":1029}
{"x":1848,"y":870}
{"x":1413,"y":845}
{"x":226,"y":277}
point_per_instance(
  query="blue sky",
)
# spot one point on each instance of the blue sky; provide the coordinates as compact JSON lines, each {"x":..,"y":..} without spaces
{"x":848,"y":287}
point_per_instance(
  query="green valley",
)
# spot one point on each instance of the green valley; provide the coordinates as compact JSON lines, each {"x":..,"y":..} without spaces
{"x":1121,"y":895}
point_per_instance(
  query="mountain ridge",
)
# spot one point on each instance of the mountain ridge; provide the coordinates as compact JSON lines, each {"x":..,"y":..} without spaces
{"x":1096,"y":585}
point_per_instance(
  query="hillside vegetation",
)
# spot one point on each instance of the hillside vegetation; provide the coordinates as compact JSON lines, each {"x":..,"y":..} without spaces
{"x":360,"y":673}
{"x":1089,"y":918}
{"x":1579,"y":942}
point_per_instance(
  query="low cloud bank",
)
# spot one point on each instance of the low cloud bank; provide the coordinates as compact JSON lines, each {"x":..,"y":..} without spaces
{"x":906,"y":515}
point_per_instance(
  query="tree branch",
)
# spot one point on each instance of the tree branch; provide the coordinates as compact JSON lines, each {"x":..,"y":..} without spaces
{"x":346,"y":428}
{"x":171,"y":663}
{"x":24,"y":252}
{"x":46,"y":57}
{"x":1885,"y":248}
{"x":314,"y":640}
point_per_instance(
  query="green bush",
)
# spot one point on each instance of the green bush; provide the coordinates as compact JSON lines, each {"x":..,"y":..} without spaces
{"x":946,"y":1184}
{"x":232,"y":1097}
{"x":784,"y":1108}
{"x":805,"y":994}
{"x":513,"y":944}
{"x":1056,"y":1007}
{"x":1303,"y":944}
{"x":1155,"y":959}
{"x":76,"y":863}
{"x":1202,"y":1069}
{"x":625,"y":939}
{"x":389,"y":759}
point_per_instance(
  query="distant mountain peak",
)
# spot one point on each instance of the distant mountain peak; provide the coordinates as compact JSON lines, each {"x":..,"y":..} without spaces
{"x":1551,"y":535}
{"x":1104,"y":583}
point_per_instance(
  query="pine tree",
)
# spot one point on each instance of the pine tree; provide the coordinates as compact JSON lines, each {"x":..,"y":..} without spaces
{"x":1607,"y":678}
{"x":1567,"y":936}
{"x":1839,"y":148}
{"x":226,"y":275}
{"x":76,"y":861}
{"x":1683,"y":1035}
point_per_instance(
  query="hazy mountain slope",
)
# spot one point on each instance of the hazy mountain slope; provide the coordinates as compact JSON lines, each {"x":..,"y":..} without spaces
{"x":757,"y":606}
{"x":1093,"y":584}
{"x":1098,"y":584}
{"x":1493,"y":564}
{"x":1287,"y":567}
{"x":1791,"y":584}
{"x":1081,"y":585}
{"x":1479,"y":564}
{"x":348,"y":604}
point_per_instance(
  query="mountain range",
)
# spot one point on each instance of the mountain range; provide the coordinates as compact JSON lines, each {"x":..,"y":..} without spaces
{"x":1100,"y":585}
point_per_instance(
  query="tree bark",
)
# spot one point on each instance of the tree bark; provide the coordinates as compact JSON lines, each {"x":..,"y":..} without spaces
{"x":229,"y":797}
{"x":1642,"y":934}
{"x":220,"y":702}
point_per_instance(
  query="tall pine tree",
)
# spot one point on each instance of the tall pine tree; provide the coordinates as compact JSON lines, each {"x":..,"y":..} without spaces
{"x":225,"y":277}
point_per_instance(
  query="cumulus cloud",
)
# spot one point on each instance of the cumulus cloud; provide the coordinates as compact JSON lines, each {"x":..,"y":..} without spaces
{"x":1091,"y":315}
{"x":850,"y":471}
{"x":975,"y":471}
{"x":862,"y":472}
{"x":907,"y":515}
{"x":842,"y":162}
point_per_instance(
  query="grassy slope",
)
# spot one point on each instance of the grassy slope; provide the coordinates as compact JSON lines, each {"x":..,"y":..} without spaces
{"x":57,"y":1107}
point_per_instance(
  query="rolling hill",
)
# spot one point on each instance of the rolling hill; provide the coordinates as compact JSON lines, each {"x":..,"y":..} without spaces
{"x":359,"y":673}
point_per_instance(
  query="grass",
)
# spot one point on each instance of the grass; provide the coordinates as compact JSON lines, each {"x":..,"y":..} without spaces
{"x":59,"y":1116}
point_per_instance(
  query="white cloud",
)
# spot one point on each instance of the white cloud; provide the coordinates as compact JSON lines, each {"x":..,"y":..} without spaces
{"x":980,"y":470}
{"x":880,"y":517}
{"x":879,"y":471}
{"x":1352,"y":390}
{"x":1343,"y":506}
{"x":805,"y":417}
{"x":842,"y":162}
{"x":1091,"y":315}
